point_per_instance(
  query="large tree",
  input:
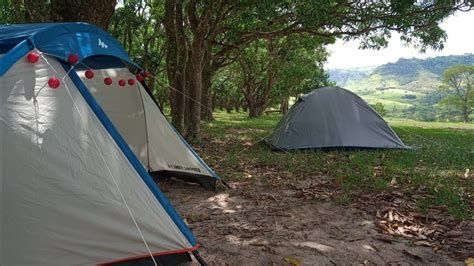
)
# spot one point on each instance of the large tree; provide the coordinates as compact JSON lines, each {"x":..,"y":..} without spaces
{"x":207,"y":33}
{"x":220,"y":27}
{"x":459,"y":84}
{"x":302,"y":70}
{"x":259,"y":67}
{"x":278,"y":68}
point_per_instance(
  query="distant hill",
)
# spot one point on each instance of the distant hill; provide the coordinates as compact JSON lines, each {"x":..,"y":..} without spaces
{"x":343,"y":76}
{"x":407,"y":87}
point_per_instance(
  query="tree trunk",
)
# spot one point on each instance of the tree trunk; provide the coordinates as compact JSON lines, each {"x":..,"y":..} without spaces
{"x":18,"y":17}
{"x":37,"y":11}
{"x":193,"y":106}
{"x":465,"y":116}
{"x":175,"y":60}
{"x":284,"y":105}
{"x":206,"y":95}
{"x":228,"y":107}
{"x":256,"y":108}
{"x":95,"y":12}
{"x":200,"y":26}
{"x":256,"y":111}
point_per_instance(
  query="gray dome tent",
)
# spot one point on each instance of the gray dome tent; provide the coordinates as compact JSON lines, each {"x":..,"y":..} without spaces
{"x":332,"y":117}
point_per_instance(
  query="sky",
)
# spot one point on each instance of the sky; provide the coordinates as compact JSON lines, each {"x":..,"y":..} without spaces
{"x":459,"y":27}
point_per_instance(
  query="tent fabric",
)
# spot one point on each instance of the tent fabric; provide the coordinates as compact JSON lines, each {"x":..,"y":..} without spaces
{"x":144,"y":127}
{"x":123,"y":106}
{"x":66,"y":187}
{"x":99,"y":51}
{"x":332,"y":117}
{"x":75,"y":187}
{"x":57,"y":39}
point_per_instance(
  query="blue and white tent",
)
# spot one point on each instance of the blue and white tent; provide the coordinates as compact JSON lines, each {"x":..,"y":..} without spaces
{"x":76,"y":154}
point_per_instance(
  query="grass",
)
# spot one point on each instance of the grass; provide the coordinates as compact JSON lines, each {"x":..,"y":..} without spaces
{"x":431,"y":174}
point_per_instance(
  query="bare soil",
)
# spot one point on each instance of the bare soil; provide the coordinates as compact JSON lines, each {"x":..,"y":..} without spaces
{"x":277,"y":223}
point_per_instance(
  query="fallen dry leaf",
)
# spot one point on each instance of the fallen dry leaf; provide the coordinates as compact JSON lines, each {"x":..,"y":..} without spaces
{"x":469,"y":261}
{"x":378,"y":171}
{"x":466,"y":174}
{"x":453,"y":234}
{"x":292,"y":260}
{"x":393,"y":182}
{"x":422,"y":243}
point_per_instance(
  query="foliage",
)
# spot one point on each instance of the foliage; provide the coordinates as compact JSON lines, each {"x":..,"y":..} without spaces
{"x":227,"y":90}
{"x":274,"y":70}
{"x":459,"y":84}
{"x":34,"y":11}
{"x":203,"y":36}
{"x":379,"y":108}
{"x":303,"y":69}
{"x":137,"y":25}
{"x":7,"y":12}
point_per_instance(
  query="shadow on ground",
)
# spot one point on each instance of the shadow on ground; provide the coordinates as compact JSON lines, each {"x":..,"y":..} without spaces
{"x":258,"y":223}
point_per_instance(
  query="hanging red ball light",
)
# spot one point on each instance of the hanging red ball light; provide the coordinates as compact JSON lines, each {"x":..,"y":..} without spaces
{"x":54,"y":83}
{"x":73,"y":58}
{"x":33,"y":57}
{"x":140,"y":77}
{"x":122,"y":82}
{"x":89,"y":74}
{"x":108,"y":81}
{"x":131,"y":82}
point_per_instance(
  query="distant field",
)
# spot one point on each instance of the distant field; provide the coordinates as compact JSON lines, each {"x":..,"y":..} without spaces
{"x":394,"y":100}
{"x":393,"y":105}
{"x":400,"y":122}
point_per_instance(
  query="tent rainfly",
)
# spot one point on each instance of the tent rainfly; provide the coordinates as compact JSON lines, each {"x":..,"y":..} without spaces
{"x":79,"y":136}
{"x":332,"y":117}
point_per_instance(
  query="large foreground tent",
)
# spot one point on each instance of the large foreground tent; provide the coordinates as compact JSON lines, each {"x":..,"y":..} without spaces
{"x":79,"y":134}
{"x":332,"y":117}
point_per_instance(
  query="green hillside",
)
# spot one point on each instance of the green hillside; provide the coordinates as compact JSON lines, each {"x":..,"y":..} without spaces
{"x":407,"y":88}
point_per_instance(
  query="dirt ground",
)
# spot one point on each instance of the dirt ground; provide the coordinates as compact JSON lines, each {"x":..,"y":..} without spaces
{"x":261,"y":223}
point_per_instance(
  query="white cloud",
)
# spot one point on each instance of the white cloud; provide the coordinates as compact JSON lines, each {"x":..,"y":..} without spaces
{"x":459,"y":27}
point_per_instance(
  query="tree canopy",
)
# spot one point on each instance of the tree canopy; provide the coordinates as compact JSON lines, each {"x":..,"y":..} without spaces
{"x":185,"y":44}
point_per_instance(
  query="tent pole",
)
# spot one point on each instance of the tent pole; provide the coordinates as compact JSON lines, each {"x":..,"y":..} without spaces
{"x":199,"y":258}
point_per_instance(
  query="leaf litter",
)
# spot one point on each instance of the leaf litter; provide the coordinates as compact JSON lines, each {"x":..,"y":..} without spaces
{"x":273,"y":216}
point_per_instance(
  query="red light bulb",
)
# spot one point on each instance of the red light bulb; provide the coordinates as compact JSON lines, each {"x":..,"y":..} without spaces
{"x":108,"y":81}
{"x":73,"y":58}
{"x":54,"y":82}
{"x":33,"y":57}
{"x":89,"y":74}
